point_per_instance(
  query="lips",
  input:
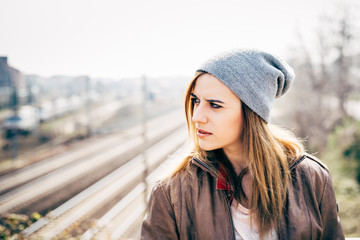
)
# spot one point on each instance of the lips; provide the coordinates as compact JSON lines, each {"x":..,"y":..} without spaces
{"x":202,"y":133}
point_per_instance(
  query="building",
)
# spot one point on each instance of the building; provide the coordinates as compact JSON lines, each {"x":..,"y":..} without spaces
{"x":12,"y":82}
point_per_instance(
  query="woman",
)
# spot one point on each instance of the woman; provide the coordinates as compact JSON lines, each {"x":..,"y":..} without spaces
{"x":244,"y":178}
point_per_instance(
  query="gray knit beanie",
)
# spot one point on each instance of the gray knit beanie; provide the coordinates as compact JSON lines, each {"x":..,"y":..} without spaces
{"x":256,"y":77}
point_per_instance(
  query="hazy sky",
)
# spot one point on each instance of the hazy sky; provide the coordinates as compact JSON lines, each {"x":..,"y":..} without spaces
{"x":118,"y":38}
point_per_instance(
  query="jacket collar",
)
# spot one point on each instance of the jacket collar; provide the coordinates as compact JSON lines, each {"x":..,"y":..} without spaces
{"x":222,"y":182}
{"x":204,"y":166}
{"x":298,"y":160}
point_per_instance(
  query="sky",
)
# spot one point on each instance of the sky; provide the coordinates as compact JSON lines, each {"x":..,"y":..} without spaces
{"x":119,"y":39}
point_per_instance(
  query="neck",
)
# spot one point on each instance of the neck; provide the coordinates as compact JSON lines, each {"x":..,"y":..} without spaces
{"x":237,"y":159}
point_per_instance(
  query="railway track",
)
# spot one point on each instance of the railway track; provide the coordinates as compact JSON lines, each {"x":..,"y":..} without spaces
{"x":124,"y":220}
{"x":16,"y":178}
{"x":46,"y":179}
{"x":125,"y":212}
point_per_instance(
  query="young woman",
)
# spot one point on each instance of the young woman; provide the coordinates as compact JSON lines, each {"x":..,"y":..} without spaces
{"x":244,"y":179}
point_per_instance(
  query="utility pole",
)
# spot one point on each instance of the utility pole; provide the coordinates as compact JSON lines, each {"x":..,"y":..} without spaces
{"x":14,"y":130}
{"x":88,"y":106}
{"x":144,"y":130}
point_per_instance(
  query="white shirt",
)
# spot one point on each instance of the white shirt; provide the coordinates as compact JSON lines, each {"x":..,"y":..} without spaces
{"x":241,"y":219}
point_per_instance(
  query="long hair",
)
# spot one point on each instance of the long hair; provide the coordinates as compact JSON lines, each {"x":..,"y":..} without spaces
{"x":269,"y":151}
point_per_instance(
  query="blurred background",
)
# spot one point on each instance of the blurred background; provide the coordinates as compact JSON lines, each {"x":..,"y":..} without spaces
{"x":91,"y":101}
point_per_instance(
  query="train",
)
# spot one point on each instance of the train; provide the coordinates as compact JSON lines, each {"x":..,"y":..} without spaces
{"x":27,"y":118}
{"x":24,"y":121}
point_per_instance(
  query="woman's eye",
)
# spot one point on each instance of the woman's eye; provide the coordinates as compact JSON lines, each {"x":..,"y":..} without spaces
{"x":214,"y":105}
{"x":195,"y":100}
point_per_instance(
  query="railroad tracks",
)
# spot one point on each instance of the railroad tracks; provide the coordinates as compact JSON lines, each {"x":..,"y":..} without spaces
{"x":109,"y":198}
{"x":123,"y":214}
{"x":19,"y":177}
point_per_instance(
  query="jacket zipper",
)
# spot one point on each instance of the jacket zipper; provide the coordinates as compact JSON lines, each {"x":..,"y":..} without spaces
{"x":224,"y":194}
{"x":231,"y":218}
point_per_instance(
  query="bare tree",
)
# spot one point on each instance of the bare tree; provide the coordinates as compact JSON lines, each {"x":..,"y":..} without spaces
{"x":344,"y":61}
{"x":326,"y":77}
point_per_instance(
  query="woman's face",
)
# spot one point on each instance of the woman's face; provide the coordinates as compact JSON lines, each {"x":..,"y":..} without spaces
{"x":217,"y":115}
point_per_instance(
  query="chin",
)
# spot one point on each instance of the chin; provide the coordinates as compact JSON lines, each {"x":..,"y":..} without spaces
{"x":207,"y":147}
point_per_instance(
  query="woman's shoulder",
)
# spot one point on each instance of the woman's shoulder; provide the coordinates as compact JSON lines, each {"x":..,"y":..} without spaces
{"x":310,"y":171}
{"x":309,"y":162}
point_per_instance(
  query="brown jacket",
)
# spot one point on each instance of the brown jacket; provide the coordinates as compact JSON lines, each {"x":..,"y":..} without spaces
{"x":189,"y":206}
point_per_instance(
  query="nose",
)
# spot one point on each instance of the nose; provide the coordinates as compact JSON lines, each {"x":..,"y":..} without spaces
{"x":199,"y":114}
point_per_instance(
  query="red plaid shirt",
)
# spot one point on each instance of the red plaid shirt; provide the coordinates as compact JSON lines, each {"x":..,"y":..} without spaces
{"x":224,"y":184}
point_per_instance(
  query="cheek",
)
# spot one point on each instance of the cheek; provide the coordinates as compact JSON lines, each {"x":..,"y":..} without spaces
{"x":227,"y":129}
{"x":232,"y":127}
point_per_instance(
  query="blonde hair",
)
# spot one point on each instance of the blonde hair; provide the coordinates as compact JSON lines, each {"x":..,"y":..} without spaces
{"x":269,"y":151}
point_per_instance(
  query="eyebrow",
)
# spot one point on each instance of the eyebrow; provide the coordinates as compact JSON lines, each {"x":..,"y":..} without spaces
{"x":209,"y":100}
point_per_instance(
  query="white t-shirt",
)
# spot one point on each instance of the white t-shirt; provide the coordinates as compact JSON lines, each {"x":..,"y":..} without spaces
{"x":241,"y":219}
